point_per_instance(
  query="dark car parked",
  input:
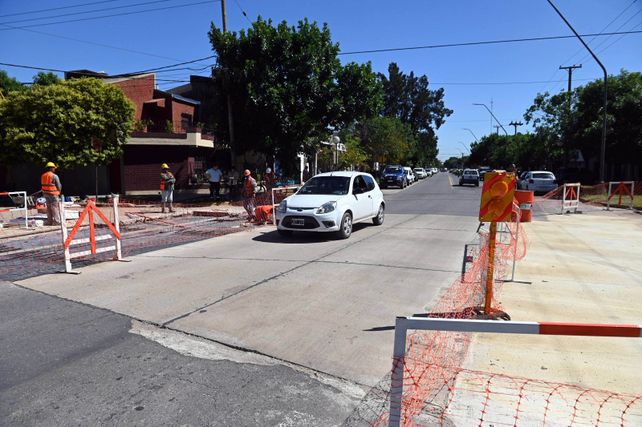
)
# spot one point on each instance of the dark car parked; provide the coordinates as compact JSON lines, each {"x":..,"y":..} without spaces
{"x":393,"y":176}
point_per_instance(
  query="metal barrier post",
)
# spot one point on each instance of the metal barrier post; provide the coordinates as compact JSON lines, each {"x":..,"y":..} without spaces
{"x":519,"y":217}
{"x":63,"y":232}
{"x":119,"y":255}
{"x":396,"y":380}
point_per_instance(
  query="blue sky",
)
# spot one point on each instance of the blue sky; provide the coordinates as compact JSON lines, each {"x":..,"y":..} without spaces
{"x":472,"y":74}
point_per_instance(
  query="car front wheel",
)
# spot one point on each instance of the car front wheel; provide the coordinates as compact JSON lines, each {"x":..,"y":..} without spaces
{"x":346,"y":226}
{"x":378,"y":220}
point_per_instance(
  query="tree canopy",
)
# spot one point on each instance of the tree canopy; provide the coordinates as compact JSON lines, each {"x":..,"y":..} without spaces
{"x":565,"y":125}
{"x":287,"y":87}
{"x":72,"y":123}
{"x":408,"y":98}
{"x":8,"y":84}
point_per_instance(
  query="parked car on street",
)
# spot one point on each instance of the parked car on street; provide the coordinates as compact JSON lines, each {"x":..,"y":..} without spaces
{"x":538,"y":181}
{"x":394,"y":176}
{"x":332,"y":202}
{"x":420,"y":173}
{"x":410,"y":176}
{"x":482,"y":171}
{"x":469,"y":176}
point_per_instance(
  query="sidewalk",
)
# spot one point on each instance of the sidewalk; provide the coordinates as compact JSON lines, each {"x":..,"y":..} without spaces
{"x":578,"y":268}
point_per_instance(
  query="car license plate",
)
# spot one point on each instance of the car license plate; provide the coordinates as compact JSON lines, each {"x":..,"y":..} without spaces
{"x":298,"y":222}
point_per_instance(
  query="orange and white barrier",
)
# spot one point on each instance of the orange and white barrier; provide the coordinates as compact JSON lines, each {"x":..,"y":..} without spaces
{"x":571,"y":197}
{"x":403,"y":324}
{"x":624,"y":188}
{"x":23,"y":195}
{"x":89,"y":212}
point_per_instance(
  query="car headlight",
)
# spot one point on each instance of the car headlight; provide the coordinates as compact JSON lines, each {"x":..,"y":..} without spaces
{"x":327,"y":207}
{"x":283,"y":206}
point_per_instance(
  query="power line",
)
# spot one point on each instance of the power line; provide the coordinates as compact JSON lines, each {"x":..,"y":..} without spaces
{"x":62,"y":15}
{"x":484,"y":42}
{"x":499,"y":83}
{"x":91,"y":43}
{"x":167,"y":68}
{"x":580,"y":50}
{"x":111,"y":15}
{"x":57,"y":8}
{"x":242,"y":11}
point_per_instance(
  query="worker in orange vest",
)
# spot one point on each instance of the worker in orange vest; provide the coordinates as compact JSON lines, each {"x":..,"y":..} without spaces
{"x":167,"y":182}
{"x":51,"y":188}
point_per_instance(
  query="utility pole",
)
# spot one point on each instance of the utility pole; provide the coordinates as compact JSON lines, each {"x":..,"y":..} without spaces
{"x":230,"y":121}
{"x":224,"y":15}
{"x":497,"y":129}
{"x":570,"y":69}
{"x":515,"y":124}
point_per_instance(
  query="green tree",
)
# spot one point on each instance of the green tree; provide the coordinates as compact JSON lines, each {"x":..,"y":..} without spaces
{"x":563,"y":125}
{"x":387,"y":139}
{"x":8,"y":84}
{"x":408,"y":98}
{"x":287,"y":87}
{"x":452,"y":163}
{"x":45,"y":79}
{"x":72,"y":123}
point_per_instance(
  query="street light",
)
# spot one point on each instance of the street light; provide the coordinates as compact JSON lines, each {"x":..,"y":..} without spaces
{"x":476,"y":140}
{"x":492,"y":115}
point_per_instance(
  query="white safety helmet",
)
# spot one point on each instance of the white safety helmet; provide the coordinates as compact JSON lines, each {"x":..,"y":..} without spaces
{"x":268,"y":170}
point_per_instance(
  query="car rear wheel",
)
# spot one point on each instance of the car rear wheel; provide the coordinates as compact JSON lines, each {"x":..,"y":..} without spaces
{"x":346,"y":226}
{"x":378,"y":220}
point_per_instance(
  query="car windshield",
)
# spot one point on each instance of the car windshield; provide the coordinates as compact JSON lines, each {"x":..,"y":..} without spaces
{"x":470,"y":172}
{"x":543,"y":175}
{"x":392,"y":169}
{"x":338,"y":185}
{"x":418,"y":170}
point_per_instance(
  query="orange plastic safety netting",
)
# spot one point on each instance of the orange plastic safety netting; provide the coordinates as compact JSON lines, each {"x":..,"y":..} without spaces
{"x":438,"y":391}
{"x":433,"y":359}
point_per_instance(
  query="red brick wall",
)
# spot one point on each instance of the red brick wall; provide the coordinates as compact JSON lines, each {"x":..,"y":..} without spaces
{"x":142,"y":165}
{"x":179,"y":108}
{"x":139,"y":90}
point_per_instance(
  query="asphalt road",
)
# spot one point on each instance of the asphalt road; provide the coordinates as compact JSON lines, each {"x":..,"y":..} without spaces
{"x":244,"y":329}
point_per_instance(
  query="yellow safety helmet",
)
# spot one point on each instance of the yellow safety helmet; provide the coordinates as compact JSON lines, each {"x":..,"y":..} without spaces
{"x":164,"y":166}
{"x":50,"y":165}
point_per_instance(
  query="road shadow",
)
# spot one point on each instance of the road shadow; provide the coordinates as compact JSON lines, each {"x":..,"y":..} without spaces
{"x":303,"y":237}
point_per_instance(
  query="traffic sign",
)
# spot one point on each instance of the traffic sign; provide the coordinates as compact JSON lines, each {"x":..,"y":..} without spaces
{"x":497,"y":197}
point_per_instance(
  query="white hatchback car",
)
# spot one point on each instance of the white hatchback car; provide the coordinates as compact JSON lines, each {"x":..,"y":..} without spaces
{"x":332,"y":202}
{"x":538,"y":181}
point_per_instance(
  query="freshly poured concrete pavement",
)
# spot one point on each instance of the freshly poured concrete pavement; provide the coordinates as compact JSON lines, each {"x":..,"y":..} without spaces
{"x":579,"y":268}
{"x":310,"y":300}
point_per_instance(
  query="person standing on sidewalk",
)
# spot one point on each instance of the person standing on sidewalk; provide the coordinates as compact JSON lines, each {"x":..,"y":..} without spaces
{"x":51,"y":188}
{"x":249,"y":190}
{"x":214,"y":176}
{"x":167,"y":182}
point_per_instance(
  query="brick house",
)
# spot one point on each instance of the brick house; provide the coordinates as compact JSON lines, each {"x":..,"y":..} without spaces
{"x":165,"y":132}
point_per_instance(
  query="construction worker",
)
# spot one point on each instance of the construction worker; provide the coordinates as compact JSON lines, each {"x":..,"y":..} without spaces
{"x":249,"y":190}
{"x":167,"y":182}
{"x":51,"y":188}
